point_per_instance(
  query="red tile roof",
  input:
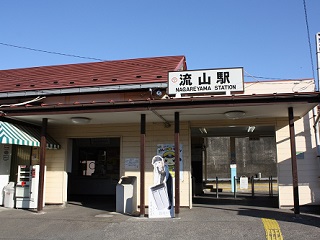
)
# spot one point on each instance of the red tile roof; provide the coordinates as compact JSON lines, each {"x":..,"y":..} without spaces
{"x":131,"y":71}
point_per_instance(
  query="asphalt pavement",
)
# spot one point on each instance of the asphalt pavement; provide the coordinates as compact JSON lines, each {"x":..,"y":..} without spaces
{"x":210,"y":218}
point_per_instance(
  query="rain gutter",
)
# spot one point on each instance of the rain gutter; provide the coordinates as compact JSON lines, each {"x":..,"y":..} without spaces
{"x":79,"y":90}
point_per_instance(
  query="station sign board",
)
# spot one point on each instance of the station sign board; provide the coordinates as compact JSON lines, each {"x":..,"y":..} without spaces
{"x":223,"y":80}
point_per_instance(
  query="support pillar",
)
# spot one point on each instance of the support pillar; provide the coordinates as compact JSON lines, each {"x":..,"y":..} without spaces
{"x":142,"y":164}
{"x":294,"y":162}
{"x":177,"y":162}
{"x":205,"y":159}
{"x":233,"y":164}
{"x":43,"y":145}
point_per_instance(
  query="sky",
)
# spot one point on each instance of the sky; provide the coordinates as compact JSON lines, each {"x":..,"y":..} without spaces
{"x":268,"y":38}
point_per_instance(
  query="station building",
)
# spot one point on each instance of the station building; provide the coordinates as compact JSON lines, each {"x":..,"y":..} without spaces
{"x":92,"y":123}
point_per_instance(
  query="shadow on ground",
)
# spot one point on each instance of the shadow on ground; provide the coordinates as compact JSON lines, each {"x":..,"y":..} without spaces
{"x":99,"y":202}
{"x":261,"y":206}
{"x":240,"y":199}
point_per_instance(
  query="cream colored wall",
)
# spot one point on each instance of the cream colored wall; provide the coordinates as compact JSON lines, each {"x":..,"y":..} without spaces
{"x":308,"y":167}
{"x":156,"y":133}
{"x":55,"y":177}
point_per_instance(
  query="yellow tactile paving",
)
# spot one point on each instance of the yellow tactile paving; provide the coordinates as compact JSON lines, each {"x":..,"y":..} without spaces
{"x":272,"y":229}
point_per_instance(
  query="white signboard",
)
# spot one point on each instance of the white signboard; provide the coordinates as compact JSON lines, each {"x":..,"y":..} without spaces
{"x":223,"y":80}
{"x":131,"y":164}
{"x":243,"y":182}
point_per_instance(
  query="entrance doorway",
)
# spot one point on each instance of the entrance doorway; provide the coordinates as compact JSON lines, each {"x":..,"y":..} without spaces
{"x":234,"y":162}
{"x":95,"y":170}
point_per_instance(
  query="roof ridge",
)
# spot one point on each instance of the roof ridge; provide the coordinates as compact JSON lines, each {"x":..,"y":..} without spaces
{"x":106,"y":61}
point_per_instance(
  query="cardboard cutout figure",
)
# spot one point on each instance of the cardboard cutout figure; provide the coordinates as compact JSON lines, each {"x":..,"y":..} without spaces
{"x":161,"y":204}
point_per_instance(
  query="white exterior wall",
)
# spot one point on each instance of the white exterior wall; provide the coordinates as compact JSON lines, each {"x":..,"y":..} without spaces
{"x":267,"y":87}
{"x":308,"y":166}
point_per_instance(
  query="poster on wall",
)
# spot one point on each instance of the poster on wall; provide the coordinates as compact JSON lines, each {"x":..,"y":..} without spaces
{"x":131,"y":164}
{"x":167,"y":151}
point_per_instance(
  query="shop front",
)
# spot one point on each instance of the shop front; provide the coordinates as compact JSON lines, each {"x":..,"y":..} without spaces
{"x":19,"y":147}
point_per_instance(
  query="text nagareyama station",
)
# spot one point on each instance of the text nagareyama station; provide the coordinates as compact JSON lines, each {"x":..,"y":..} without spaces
{"x":204,"y":81}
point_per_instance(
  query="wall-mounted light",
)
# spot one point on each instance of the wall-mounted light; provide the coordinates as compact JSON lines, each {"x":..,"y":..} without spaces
{"x":251,"y":128}
{"x":159,"y":93}
{"x":203,"y":130}
{"x":80,"y":120}
{"x":234,"y":114}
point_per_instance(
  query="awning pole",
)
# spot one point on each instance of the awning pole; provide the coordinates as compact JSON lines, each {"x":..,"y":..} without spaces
{"x":177,"y":162}
{"x":43,"y":144}
{"x":294,"y":162}
{"x":142,"y":164}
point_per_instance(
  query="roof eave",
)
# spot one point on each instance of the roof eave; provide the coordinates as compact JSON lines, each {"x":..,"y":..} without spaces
{"x":169,"y":103}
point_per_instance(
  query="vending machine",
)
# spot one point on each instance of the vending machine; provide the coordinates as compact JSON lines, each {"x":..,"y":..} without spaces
{"x":27,"y":186}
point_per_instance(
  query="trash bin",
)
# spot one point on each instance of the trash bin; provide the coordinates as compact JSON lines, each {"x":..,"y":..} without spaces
{"x":126,"y":197}
{"x":9,"y":195}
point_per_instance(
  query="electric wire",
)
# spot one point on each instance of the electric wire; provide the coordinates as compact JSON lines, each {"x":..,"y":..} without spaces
{"x":50,"y":52}
{"x":76,"y":56}
{"x":308,"y":33}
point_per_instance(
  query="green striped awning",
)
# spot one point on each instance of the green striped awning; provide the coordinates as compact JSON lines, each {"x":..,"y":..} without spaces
{"x":11,"y":133}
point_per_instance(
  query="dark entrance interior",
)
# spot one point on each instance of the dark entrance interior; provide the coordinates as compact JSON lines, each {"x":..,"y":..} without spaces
{"x":230,"y":164}
{"x":95,"y":171}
